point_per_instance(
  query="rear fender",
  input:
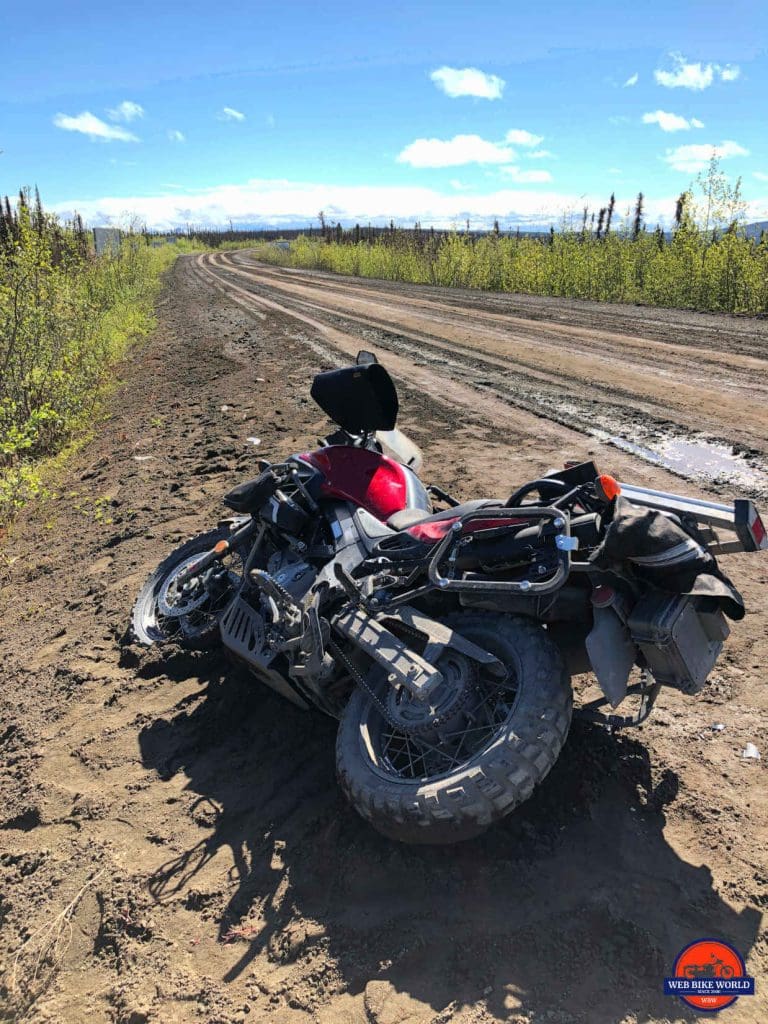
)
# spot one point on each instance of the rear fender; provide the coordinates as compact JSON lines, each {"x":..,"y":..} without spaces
{"x":612,"y":654}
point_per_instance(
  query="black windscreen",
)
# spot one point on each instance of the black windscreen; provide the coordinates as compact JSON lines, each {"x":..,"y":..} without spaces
{"x":360,"y":399}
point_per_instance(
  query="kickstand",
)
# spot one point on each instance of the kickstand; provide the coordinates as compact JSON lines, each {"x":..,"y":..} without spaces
{"x":648,"y":690}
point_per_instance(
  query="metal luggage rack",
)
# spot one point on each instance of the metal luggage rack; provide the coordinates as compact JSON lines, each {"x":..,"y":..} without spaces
{"x":449,"y":547}
{"x":740,"y":522}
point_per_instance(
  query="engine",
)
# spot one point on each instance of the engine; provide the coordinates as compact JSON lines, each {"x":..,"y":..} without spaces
{"x":291,"y":573}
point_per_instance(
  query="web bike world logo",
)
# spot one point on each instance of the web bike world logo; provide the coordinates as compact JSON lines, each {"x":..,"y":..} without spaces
{"x":709,"y":975}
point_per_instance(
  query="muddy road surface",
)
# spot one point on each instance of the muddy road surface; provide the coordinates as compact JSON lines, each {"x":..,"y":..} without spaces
{"x":173,"y":846}
{"x":687,"y":391}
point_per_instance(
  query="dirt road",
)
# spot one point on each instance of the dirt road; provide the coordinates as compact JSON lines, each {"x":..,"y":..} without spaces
{"x":191,"y":820}
{"x":688,"y":391}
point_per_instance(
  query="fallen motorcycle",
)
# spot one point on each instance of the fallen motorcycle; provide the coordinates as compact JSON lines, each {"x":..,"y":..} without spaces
{"x":444,"y":638}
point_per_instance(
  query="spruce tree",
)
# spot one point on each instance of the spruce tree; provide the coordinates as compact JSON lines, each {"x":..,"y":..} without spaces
{"x":609,"y":215}
{"x":38,"y":216}
{"x":637,"y":224}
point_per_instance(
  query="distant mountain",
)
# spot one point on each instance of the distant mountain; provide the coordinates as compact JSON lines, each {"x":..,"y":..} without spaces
{"x":756,"y":229}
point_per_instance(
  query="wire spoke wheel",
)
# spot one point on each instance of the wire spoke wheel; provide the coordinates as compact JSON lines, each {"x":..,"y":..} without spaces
{"x":443,"y":770}
{"x":433,"y":741}
{"x":166,"y":612}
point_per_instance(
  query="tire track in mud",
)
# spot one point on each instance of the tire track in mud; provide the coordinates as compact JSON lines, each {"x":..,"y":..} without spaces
{"x":734,"y":334}
{"x":625,"y":413}
{"x":588,"y":340}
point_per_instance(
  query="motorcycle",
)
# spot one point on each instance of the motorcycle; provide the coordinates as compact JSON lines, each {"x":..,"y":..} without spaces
{"x":443,"y":635}
{"x":716,"y":968}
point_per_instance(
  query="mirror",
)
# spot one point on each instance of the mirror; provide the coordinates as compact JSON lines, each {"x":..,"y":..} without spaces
{"x":365,"y":358}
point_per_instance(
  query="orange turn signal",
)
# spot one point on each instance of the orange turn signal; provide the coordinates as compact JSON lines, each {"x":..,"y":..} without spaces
{"x":607,"y":486}
{"x":221,"y":547}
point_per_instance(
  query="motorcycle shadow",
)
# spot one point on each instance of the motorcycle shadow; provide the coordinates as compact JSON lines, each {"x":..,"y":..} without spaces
{"x":576,"y":904}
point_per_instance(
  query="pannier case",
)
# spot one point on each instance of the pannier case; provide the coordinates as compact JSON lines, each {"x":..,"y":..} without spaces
{"x":680,"y":637}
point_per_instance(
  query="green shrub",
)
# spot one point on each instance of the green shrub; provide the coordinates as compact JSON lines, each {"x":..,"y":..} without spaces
{"x":66,"y":315}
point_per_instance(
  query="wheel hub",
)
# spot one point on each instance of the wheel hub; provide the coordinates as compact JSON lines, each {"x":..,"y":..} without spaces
{"x":445,"y":708}
{"x":176,"y":602}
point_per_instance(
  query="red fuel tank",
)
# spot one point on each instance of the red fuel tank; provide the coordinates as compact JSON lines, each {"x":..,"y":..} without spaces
{"x":367,"y":479}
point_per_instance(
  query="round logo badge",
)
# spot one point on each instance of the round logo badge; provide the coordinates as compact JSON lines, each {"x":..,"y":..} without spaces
{"x":709,"y":975}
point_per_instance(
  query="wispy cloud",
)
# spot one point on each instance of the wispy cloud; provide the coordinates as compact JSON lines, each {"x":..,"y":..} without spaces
{"x":230,"y":114}
{"x":694,"y":75}
{"x":540,"y":154}
{"x":694,"y":158}
{"x":468,"y":82}
{"x":176,"y":136}
{"x":126,"y":111}
{"x":671,"y":122}
{"x":526,"y":177}
{"x":632,"y":80}
{"x":760,"y":175}
{"x":520,"y":137}
{"x":455,"y":152}
{"x":92,"y":126}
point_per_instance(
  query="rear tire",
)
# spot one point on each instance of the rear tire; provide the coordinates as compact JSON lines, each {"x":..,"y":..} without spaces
{"x":494,"y":780}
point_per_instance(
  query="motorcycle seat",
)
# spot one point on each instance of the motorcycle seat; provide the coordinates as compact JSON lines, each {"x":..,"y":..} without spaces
{"x":413,"y":516}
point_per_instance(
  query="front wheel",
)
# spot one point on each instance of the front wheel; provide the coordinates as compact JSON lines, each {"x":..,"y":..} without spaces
{"x":444,"y":774}
{"x":165,"y":612}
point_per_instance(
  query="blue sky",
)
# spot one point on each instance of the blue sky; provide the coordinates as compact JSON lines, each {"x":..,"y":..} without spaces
{"x":269,"y":112}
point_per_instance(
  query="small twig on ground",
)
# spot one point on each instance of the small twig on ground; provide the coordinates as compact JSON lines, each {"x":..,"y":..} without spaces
{"x":50,"y":940}
{"x":240,"y":931}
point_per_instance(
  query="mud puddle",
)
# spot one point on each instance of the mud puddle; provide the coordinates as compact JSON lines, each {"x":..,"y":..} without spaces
{"x":698,"y":459}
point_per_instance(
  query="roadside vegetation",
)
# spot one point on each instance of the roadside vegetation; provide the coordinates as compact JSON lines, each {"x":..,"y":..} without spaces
{"x":66,"y":315}
{"x":705,"y":262}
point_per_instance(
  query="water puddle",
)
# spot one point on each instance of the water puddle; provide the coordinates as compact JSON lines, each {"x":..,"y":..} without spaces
{"x":698,"y":460}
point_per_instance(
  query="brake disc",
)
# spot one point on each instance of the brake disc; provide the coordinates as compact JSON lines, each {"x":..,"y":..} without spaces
{"x":173,"y":603}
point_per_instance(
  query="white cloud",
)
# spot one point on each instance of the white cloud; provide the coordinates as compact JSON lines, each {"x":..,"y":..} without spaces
{"x":632,"y":80}
{"x":468,"y":82}
{"x":284,"y":203}
{"x":671,"y":122}
{"x":92,"y":126}
{"x":689,"y":75}
{"x":126,"y":111}
{"x":455,"y":152}
{"x":760,"y":175}
{"x":692,"y":159}
{"x":520,"y":137}
{"x":540,"y":154}
{"x":176,"y":136}
{"x":615,"y":170}
{"x":526,"y":177}
{"x":230,"y":114}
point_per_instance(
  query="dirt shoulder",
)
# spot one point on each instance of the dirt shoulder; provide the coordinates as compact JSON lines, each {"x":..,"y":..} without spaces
{"x":194,"y":818}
